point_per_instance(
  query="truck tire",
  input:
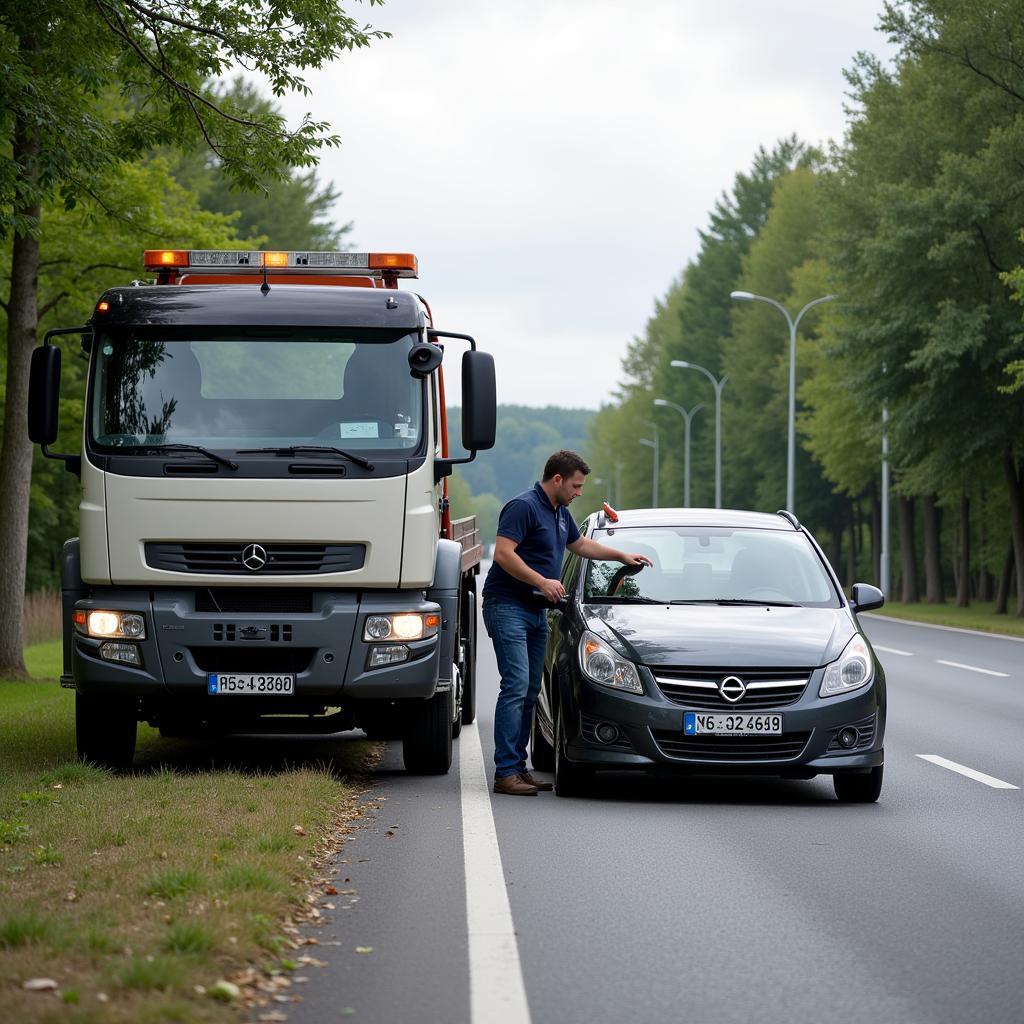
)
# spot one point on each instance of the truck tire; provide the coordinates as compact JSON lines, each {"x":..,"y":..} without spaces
{"x":469,"y":665}
{"x":105,"y":729}
{"x":457,"y":688}
{"x":427,"y":743}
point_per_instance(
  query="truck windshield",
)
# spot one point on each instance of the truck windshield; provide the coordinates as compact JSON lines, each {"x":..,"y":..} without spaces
{"x":246,"y":388}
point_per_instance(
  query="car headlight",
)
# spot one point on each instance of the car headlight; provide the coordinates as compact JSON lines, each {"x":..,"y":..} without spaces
{"x":104,"y":625}
{"x":602,"y":665}
{"x":853,"y":669}
{"x":400,"y":626}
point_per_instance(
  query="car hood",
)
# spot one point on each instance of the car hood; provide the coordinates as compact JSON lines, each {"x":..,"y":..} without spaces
{"x":719,"y":636}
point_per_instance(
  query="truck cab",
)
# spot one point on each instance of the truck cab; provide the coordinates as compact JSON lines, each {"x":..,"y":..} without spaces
{"x":265,"y":544}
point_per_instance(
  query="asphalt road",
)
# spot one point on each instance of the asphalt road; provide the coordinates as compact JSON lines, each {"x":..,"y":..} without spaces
{"x":709,"y":901}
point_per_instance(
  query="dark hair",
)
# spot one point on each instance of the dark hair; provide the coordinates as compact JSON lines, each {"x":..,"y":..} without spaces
{"x":564,"y":463}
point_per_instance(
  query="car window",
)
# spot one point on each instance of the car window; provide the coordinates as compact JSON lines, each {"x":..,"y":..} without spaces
{"x":713,"y":564}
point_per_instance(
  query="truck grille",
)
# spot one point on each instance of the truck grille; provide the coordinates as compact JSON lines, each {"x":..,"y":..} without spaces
{"x":249,"y":659}
{"x":281,"y":559}
{"x":254,"y":600}
{"x":698,"y":687}
{"x":733,"y":749}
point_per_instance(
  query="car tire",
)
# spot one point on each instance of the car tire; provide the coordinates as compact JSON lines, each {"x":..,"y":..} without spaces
{"x":570,"y":779}
{"x":105,"y":731}
{"x":859,"y":787}
{"x":427,"y":742}
{"x":469,"y":665}
{"x":542,"y":754}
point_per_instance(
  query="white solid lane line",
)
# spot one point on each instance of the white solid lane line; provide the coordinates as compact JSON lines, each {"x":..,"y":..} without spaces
{"x":496,"y":990}
{"x":893,"y":650}
{"x":973,"y":668}
{"x":988,"y":780}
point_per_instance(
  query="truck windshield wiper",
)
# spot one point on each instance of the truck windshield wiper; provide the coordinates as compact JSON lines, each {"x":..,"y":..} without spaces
{"x":739,"y":601}
{"x":619,"y":599}
{"x":188,"y":448}
{"x":294,"y":449}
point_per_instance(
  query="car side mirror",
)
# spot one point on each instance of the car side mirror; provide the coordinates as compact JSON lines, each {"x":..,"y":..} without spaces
{"x":479,"y":401}
{"x":44,"y":394}
{"x":865,"y":597}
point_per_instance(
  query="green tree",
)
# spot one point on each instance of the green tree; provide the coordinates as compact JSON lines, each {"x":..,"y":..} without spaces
{"x":62,"y":136}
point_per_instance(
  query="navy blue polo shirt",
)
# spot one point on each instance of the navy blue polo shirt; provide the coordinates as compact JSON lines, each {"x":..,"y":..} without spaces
{"x":541,"y":533}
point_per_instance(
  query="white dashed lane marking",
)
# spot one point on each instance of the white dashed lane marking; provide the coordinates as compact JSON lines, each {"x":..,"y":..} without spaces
{"x":988,"y":780}
{"x":893,"y":650}
{"x":973,"y":668}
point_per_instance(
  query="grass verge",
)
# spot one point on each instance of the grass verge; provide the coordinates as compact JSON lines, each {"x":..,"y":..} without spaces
{"x":980,"y":616}
{"x":137,"y":893}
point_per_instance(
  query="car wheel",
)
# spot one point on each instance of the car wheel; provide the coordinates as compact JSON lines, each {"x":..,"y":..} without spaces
{"x":542,"y":754}
{"x":859,"y":787}
{"x":427,"y":742}
{"x":105,"y":730}
{"x":570,"y":779}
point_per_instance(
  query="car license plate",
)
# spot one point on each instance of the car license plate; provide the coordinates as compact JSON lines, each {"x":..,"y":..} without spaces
{"x":218,"y":683}
{"x":695,"y":723}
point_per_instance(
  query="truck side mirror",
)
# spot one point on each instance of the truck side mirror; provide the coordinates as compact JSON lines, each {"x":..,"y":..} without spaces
{"x":479,"y":401}
{"x":424,"y":359}
{"x":44,"y":394}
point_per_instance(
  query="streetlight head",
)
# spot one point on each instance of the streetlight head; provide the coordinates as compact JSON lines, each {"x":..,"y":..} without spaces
{"x":680,"y":362}
{"x":742,"y":296}
{"x":660,"y":401}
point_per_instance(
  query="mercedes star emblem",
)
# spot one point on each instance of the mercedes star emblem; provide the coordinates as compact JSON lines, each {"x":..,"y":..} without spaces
{"x":254,"y":557}
{"x":732,"y":688}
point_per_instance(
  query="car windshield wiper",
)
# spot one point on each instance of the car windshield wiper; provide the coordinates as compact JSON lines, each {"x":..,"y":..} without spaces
{"x":176,"y":447}
{"x":738,"y":601}
{"x":294,"y":449}
{"x":619,"y":599}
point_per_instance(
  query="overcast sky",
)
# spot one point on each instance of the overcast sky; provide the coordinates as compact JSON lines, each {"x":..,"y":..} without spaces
{"x":551,"y":163}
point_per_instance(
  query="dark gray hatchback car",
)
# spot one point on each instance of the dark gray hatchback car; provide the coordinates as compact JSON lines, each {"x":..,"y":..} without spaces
{"x":735,"y":652}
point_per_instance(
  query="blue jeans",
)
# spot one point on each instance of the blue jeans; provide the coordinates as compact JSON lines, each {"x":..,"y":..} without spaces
{"x":520,"y":636}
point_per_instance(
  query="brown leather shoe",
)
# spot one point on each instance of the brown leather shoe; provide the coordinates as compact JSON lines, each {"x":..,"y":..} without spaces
{"x":513,"y":785}
{"x":530,"y":780}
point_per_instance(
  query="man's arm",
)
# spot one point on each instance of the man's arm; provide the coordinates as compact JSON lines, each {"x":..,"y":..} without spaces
{"x":587,"y":548}
{"x":505,"y":555}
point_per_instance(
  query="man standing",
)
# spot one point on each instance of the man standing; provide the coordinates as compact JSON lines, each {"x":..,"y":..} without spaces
{"x":534,"y":529}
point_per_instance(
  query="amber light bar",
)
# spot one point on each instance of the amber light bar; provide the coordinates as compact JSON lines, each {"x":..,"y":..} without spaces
{"x":242,"y":262}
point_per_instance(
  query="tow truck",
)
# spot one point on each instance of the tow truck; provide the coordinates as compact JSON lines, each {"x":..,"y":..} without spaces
{"x":265,"y":543}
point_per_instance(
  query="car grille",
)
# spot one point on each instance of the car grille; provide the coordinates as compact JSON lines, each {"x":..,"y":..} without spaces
{"x":282,"y":559}
{"x":865,"y":736}
{"x":732,"y":749}
{"x":698,"y":687}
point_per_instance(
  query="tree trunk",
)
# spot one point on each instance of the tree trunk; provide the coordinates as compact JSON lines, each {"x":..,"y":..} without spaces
{"x":910,"y":594}
{"x":16,"y":451}
{"x":1005,"y":578}
{"x":876,"y":534}
{"x":933,"y":590}
{"x":1015,"y":484}
{"x":963,"y":580}
{"x":851,"y":554}
{"x":984,"y":576}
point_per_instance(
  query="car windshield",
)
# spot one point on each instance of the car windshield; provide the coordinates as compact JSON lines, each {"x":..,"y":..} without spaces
{"x":712,"y":565}
{"x":246,"y":389}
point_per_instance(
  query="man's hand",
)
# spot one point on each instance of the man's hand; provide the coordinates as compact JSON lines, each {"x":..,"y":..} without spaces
{"x":552,"y":590}
{"x":635,"y":560}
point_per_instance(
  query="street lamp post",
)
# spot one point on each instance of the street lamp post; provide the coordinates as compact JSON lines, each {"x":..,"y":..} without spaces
{"x":793,"y":325}
{"x":718,"y":385}
{"x":653,"y":444}
{"x":687,"y":419}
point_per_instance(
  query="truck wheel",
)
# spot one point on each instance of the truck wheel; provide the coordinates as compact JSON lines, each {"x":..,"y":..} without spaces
{"x":427,"y":744}
{"x":105,"y":729}
{"x":469,"y":664}
{"x":457,"y":687}
{"x":542,"y":754}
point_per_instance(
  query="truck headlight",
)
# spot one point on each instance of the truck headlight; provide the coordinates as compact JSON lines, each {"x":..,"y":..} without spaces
{"x":853,"y":669}
{"x":400,"y":626}
{"x":602,"y":665}
{"x":103,"y":625}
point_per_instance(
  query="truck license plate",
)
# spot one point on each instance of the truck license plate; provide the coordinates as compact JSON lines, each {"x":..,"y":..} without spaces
{"x":695,"y":723}
{"x":218,"y":683}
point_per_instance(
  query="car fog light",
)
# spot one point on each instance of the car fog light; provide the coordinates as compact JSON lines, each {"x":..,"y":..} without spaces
{"x":126,"y":653}
{"x":847,"y":737}
{"x":391,"y":654}
{"x":607,"y":733}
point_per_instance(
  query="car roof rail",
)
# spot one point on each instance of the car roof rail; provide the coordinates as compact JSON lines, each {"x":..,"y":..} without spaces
{"x":789,"y":517}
